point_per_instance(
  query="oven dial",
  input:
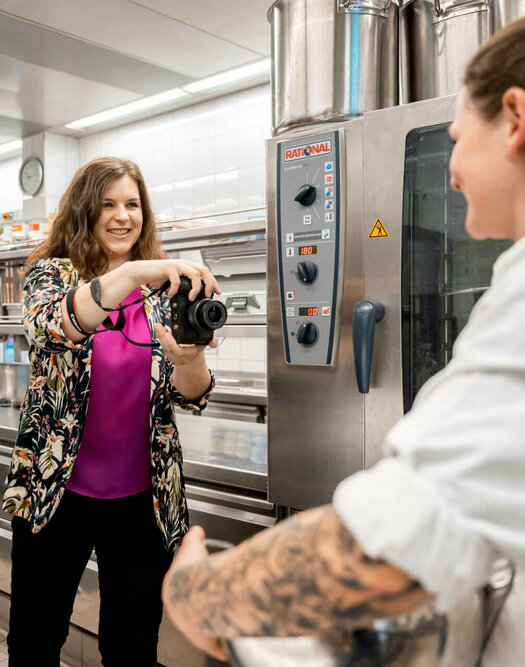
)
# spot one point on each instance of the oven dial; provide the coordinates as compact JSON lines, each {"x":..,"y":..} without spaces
{"x":306,"y":195}
{"x":307,"y":333}
{"x":307,"y":272}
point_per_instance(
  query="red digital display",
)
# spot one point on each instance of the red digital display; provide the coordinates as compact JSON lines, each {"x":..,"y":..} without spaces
{"x":308,"y":250}
{"x":309,"y":311}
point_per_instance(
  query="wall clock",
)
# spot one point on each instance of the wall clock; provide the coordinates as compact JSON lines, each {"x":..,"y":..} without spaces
{"x":31,"y":176}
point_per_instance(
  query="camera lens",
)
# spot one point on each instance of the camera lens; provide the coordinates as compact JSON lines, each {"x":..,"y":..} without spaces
{"x":207,"y":314}
{"x":214,"y":313}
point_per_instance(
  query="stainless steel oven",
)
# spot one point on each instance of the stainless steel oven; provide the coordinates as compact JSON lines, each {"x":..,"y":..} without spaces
{"x":371,"y":276}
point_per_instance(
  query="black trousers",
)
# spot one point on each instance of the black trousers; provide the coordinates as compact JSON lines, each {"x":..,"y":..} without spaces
{"x":46,"y":571}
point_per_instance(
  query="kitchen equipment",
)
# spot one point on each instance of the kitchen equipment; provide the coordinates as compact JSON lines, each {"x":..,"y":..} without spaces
{"x":332,"y":59}
{"x":14,"y":380}
{"x":506,"y":11}
{"x":437,"y":38}
{"x":385,"y":228}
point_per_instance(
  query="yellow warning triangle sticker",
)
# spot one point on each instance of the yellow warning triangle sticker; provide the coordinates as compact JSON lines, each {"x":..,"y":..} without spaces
{"x":378,"y":231}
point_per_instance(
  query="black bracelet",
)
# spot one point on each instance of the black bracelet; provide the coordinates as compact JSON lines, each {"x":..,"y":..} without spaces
{"x":70,"y":307}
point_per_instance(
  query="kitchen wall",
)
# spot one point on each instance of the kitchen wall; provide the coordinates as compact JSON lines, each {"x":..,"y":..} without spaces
{"x":198,"y":160}
{"x":10,"y":193}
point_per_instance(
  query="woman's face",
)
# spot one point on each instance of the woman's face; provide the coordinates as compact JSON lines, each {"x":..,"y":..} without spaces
{"x":119,"y":225}
{"x":481,"y":169}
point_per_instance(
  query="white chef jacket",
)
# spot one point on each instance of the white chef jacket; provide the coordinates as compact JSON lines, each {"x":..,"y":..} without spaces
{"x":449,"y":498}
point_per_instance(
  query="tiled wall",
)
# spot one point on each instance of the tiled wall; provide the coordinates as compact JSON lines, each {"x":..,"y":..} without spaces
{"x":10,"y":193}
{"x":199,"y":160}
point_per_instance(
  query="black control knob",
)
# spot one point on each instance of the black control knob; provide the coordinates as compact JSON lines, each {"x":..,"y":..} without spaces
{"x":307,"y":272}
{"x":307,"y":333}
{"x":306,"y":195}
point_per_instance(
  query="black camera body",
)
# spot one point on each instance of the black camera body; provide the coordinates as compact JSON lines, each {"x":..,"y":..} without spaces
{"x":194,"y":322}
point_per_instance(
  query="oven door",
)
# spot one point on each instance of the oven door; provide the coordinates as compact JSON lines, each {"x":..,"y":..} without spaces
{"x":419,"y":261}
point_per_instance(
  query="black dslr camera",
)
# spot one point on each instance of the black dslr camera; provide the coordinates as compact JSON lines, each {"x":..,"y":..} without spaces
{"x":193,"y":322}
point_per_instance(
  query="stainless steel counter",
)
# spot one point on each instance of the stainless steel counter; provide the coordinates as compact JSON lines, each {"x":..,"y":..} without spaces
{"x":215,"y":450}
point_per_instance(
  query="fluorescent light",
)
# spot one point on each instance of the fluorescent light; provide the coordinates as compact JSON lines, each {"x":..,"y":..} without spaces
{"x":11,"y":147}
{"x":231,"y":76}
{"x":128,"y":109}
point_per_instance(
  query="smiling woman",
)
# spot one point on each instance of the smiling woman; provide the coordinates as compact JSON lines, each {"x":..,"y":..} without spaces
{"x":88,"y":470}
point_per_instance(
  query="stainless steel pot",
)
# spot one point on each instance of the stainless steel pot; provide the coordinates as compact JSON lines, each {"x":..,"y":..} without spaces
{"x":506,"y":11}
{"x":437,"y":39}
{"x":332,"y":59}
{"x":14,"y":379}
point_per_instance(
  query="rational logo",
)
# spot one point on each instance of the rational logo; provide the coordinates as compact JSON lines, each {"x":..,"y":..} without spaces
{"x":308,"y":150}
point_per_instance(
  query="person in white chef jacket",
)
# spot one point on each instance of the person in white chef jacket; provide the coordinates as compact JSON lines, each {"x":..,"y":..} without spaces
{"x":448,"y":499}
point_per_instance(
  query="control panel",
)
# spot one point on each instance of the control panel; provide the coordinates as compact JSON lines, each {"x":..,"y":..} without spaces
{"x":308,"y":221}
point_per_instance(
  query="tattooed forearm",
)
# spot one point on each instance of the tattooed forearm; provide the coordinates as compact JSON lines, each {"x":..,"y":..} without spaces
{"x":305,"y":576}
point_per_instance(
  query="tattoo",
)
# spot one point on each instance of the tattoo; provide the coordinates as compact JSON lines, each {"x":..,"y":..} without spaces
{"x":307,"y":575}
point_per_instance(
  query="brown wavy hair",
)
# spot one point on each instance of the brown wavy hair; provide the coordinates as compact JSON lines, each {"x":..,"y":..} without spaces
{"x":80,"y":206}
{"x":497,"y":66}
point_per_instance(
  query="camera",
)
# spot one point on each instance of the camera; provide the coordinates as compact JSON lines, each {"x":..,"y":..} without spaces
{"x":194,"y":322}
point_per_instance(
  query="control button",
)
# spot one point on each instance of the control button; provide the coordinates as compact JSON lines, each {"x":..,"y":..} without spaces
{"x":290,"y":251}
{"x":307,"y":219}
{"x":328,"y":192}
{"x":290,"y":311}
{"x":290,"y":296}
{"x":326,"y":311}
{"x":329,"y":216}
{"x":329,"y":166}
{"x":325,"y":234}
{"x":289,"y":237}
{"x":329,"y":204}
{"x":329,"y":179}
{"x":307,"y":333}
{"x":306,"y":195}
{"x":307,"y":272}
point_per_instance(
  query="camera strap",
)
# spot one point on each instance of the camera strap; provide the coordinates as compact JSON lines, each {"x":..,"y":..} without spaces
{"x":109,"y":325}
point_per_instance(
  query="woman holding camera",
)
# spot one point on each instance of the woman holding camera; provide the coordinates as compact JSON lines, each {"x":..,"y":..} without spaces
{"x":97,"y":463}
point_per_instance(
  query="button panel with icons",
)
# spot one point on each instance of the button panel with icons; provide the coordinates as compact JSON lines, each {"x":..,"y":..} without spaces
{"x":308,"y":241}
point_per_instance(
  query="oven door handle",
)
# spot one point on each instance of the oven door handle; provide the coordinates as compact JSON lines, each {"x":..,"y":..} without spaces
{"x":366,"y":314}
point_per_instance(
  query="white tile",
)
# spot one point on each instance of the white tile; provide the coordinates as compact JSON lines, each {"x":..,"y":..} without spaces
{"x":251,"y":147}
{"x":204,"y":195}
{"x":182,"y":162}
{"x":252,"y":187}
{"x":182,"y":126}
{"x":143,"y":136}
{"x":228,"y":364}
{"x":162,"y":198}
{"x":227,"y":191}
{"x":230,"y":348}
{"x":162,"y":132}
{"x":183,"y":198}
{"x":55,"y":180}
{"x":251,"y":108}
{"x":145,"y":162}
{"x":204,"y":158}
{"x":203,"y":120}
{"x":226,"y":152}
{"x":55,"y":146}
{"x":252,"y":366}
{"x":226,"y":114}
{"x":252,"y":349}
{"x":162,"y":167}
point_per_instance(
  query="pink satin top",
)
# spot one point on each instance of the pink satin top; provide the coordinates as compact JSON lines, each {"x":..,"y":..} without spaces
{"x":114,"y":456}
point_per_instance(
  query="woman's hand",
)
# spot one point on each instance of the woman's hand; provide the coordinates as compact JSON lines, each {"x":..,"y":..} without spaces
{"x":179,"y":355}
{"x":156,"y":272}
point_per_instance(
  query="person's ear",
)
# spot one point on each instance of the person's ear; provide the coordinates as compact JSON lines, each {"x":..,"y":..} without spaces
{"x":513,"y":105}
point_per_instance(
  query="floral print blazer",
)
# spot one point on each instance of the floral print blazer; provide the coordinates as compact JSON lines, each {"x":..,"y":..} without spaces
{"x":54,"y":409}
